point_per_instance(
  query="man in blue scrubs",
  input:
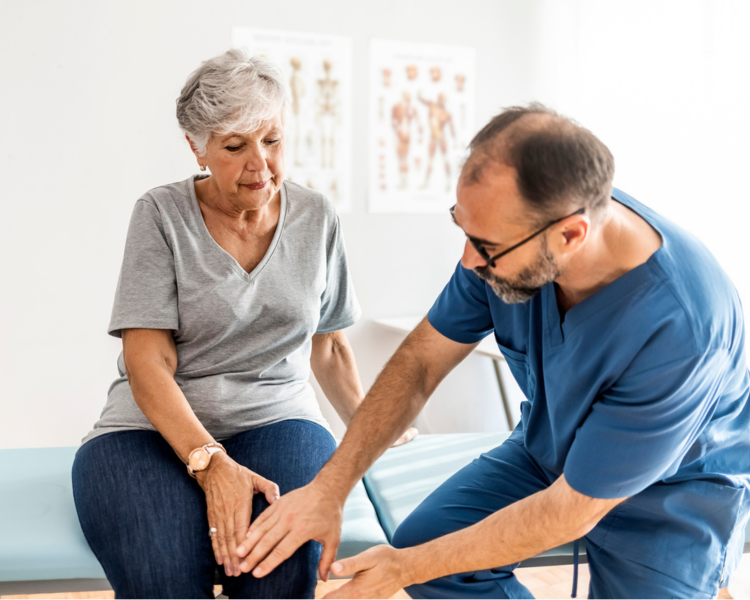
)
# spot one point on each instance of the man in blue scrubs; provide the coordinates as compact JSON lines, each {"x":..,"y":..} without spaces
{"x":627,"y":340}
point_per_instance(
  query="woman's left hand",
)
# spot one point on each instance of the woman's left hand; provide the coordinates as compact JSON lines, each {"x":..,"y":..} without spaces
{"x":378,"y":573}
{"x":408,"y":436}
{"x":229,"y":489}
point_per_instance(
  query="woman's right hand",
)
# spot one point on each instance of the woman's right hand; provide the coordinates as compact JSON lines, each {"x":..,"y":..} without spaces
{"x":406,"y":437}
{"x":229,"y":489}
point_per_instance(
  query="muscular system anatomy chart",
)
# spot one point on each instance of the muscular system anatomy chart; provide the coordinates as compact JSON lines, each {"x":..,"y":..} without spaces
{"x":318,"y":132}
{"x":421,"y":120}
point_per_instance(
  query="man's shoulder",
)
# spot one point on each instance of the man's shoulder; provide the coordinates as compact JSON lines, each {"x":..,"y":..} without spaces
{"x":691,"y":287}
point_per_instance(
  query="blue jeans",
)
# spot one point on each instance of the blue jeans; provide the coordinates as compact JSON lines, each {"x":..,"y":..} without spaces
{"x":145,"y":517}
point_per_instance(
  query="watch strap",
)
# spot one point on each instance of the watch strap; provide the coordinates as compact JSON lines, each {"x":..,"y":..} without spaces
{"x":211,"y":449}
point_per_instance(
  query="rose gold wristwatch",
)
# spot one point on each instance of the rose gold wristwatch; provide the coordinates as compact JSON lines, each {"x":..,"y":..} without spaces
{"x":200,"y":458}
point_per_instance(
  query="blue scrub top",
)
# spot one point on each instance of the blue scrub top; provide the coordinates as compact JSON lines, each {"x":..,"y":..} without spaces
{"x":642,"y":390}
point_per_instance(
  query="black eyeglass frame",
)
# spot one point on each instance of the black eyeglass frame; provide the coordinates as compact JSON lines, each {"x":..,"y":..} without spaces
{"x":490,"y":260}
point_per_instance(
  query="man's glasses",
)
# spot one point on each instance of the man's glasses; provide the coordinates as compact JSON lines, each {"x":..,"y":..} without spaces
{"x":479,"y":246}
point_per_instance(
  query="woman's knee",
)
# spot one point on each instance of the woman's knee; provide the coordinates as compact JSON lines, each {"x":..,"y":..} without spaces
{"x":289,"y":453}
{"x":296,"y":577}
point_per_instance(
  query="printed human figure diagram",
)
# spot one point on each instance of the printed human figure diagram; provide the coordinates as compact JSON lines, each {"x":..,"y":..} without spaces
{"x":328,"y":109}
{"x":402,"y":116}
{"x":421,"y":117}
{"x":297,"y":87}
{"x":438,"y":119}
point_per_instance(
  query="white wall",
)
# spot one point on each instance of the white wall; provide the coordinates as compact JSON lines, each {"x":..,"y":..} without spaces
{"x":666,"y":85}
{"x":87,"y":125}
{"x":87,"y":92}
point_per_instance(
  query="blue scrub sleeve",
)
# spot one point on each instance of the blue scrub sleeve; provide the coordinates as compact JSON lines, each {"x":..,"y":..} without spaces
{"x":640,"y":429}
{"x":461,"y":311}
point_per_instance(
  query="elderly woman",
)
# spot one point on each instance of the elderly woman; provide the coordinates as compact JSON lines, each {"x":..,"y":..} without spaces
{"x":232,"y":285}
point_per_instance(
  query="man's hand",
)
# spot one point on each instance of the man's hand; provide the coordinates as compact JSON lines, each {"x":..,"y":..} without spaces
{"x":378,"y":573}
{"x":304,"y":514}
{"x":307,"y":513}
{"x":315,"y":512}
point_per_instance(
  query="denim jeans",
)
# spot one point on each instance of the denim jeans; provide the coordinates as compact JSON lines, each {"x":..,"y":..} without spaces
{"x":145,"y":517}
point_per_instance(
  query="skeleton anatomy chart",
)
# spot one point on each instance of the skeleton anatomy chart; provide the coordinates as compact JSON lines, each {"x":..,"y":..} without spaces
{"x":318,"y":132}
{"x":421,"y":120}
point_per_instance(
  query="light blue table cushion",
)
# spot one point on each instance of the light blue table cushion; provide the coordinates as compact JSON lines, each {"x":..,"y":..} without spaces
{"x":40,"y":537}
{"x":404,"y":476}
{"x":361,"y":529}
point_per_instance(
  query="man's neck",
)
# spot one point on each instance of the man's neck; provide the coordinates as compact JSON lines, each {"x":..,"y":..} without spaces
{"x":623,"y":240}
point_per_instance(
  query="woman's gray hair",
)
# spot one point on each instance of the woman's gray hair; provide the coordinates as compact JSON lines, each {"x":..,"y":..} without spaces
{"x":232,"y":92}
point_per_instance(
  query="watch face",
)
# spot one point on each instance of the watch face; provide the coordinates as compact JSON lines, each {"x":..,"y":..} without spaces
{"x":199,"y":460}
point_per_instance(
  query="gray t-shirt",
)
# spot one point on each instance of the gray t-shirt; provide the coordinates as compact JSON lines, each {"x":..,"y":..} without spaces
{"x":243,"y":339}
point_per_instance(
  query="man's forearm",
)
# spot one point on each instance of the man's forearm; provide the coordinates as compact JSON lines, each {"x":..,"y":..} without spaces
{"x":535,"y":524}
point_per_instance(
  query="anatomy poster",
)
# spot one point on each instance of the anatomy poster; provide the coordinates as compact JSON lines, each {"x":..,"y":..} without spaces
{"x":318,"y":132}
{"x":421,"y":120}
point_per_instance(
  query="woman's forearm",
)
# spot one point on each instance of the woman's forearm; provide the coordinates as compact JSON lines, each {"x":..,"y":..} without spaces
{"x":150,"y":363}
{"x":335,"y":368}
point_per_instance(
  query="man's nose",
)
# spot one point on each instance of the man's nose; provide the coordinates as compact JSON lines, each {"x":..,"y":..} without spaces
{"x":471,"y":258}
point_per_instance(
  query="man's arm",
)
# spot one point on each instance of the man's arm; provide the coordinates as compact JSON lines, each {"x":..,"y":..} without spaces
{"x":315,"y":511}
{"x":395,"y":400}
{"x":542,"y":521}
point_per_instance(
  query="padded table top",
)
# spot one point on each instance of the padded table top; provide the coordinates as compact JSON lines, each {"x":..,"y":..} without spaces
{"x":40,"y":537}
{"x":406,"y":475}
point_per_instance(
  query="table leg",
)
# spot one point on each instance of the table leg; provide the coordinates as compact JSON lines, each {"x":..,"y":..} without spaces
{"x":503,"y":394}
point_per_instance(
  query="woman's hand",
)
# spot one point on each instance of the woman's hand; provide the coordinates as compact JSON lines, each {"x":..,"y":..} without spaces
{"x":408,"y":436}
{"x":229,"y":489}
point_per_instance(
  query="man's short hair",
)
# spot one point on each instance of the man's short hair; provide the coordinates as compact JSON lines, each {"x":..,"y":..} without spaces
{"x":559,"y":164}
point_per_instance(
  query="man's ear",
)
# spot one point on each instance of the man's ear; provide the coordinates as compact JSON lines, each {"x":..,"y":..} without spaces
{"x":573,"y":233}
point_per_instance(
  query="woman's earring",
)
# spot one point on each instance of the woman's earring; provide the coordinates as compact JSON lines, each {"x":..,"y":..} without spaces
{"x":203,"y":167}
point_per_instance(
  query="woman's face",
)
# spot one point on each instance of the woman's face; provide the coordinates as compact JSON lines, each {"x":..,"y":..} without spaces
{"x":247,"y":169}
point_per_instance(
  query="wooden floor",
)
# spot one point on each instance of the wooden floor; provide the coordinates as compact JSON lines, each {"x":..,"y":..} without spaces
{"x":544,"y":582}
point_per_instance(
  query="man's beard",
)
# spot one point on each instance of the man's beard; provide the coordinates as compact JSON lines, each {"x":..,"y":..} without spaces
{"x":528,"y":282}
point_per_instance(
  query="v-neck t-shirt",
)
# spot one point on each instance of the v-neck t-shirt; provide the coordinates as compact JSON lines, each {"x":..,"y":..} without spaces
{"x":642,"y":390}
{"x":243,"y":339}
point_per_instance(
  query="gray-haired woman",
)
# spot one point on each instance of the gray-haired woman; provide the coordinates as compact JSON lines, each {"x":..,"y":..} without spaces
{"x":232,"y":285}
